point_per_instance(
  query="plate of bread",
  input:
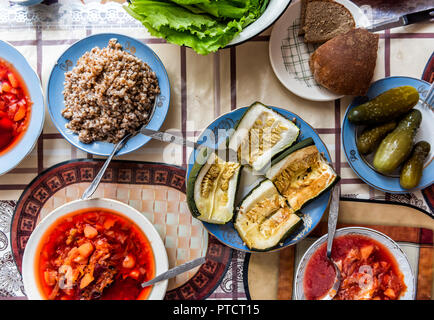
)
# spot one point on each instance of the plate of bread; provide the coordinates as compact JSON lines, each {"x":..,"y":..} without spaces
{"x":321,"y":51}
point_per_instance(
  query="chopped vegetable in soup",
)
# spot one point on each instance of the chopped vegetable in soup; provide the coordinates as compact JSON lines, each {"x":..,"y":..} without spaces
{"x":14,"y":106}
{"x":95,"y":254}
{"x":368,"y":270}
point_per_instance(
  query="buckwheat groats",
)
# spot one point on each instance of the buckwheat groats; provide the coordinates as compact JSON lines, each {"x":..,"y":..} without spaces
{"x":108,"y":94}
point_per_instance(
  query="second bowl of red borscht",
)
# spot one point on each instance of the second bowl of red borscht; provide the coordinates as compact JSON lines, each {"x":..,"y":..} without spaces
{"x":96,"y":249}
{"x":372,"y":265}
{"x":22,"y":107}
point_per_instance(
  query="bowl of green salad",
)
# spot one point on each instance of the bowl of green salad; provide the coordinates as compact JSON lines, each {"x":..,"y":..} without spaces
{"x":206,"y":25}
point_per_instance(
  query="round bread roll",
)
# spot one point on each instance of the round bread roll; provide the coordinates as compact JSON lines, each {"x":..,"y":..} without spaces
{"x":345,"y":64}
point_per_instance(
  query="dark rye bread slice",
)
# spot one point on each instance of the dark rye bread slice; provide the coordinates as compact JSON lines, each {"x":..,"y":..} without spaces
{"x":303,"y":14}
{"x":325,"y":20}
{"x":345,"y":64}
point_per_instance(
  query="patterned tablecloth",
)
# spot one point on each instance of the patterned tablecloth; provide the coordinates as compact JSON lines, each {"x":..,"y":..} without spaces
{"x":203,"y":87}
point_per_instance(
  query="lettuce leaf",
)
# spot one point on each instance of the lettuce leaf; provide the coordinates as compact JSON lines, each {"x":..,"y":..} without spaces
{"x":203,"y":25}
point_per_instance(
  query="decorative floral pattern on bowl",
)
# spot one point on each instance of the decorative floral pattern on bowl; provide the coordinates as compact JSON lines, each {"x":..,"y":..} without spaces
{"x":156,"y":190}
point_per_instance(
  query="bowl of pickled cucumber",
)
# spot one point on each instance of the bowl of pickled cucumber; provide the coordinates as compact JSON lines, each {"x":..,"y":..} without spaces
{"x":387,"y":135}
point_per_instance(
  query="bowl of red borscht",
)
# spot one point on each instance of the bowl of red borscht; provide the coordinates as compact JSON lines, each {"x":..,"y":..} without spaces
{"x":372,"y":265}
{"x":22,"y":110}
{"x":96,"y":249}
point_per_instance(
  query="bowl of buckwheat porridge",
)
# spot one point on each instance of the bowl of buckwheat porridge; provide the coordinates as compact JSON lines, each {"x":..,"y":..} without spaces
{"x":104,"y":87}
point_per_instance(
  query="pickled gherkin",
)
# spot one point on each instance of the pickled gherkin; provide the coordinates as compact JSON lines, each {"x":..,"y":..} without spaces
{"x":387,"y":106}
{"x":397,"y":145}
{"x":411,"y":172}
{"x":371,"y":137}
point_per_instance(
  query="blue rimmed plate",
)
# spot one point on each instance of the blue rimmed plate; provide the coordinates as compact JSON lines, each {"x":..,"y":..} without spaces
{"x":11,"y":158}
{"x":362,"y":165}
{"x":68,"y":60}
{"x":313,"y":212}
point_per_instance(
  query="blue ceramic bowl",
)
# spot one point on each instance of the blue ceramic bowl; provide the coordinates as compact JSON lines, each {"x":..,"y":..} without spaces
{"x":55,"y":99}
{"x":313,"y":212}
{"x":362,"y":165}
{"x":22,"y":148}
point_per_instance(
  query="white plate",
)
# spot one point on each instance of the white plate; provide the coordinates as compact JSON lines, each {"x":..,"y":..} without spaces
{"x":274,"y":10}
{"x":392,"y":246}
{"x":289,"y":55}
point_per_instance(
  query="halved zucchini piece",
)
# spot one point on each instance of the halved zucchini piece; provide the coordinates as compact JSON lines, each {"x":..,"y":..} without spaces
{"x":264,"y":219}
{"x":211,"y":187}
{"x":249,"y":179}
{"x":261,"y":134}
{"x":301,"y":174}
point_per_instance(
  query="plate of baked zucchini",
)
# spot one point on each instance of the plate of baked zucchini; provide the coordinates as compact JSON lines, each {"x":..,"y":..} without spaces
{"x":387,"y":135}
{"x":271,"y":190}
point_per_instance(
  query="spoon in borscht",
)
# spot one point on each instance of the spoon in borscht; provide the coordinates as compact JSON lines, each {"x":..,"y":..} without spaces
{"x":332,"y":221}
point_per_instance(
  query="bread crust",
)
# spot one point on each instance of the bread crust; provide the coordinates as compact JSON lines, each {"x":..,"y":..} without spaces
{"x":302,"y":17}
{"x":345,"y":64}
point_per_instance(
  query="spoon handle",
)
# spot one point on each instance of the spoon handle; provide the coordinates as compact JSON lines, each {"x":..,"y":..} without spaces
{"x":333,"y":219}
{"x":95,"y":183}
{"x":175,"y":271}
{"x":207,"y":141}
{"x":167,"y":137}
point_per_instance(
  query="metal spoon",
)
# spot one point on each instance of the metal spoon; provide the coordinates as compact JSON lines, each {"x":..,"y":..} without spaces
{"x":95,"y":183}
{"x":332,"y":221}
{"x":226,"y":153}
{"x":171,"y":273}
{"x":158,"y":135}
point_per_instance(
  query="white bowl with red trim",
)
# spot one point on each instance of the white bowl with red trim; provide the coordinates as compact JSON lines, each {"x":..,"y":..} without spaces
{"x":395,"y":250}
{"x":29,"y":270}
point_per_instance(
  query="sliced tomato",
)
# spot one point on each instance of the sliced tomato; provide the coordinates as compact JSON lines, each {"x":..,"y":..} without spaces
{"x":14,"y":105}
{"x":20,"y":128}
{"x":12,"y":110}
{"x":6,"y":87}
{"x":10,"y":98}
{"x":13,"y":80}
{"x":21,"y":112}
{"x":15,"y":91}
